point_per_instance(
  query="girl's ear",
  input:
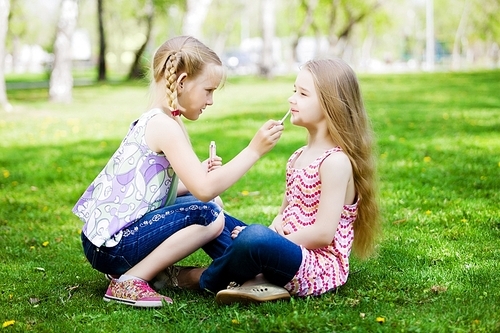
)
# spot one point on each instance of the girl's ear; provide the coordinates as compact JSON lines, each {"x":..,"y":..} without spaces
{"x":180,"y":82}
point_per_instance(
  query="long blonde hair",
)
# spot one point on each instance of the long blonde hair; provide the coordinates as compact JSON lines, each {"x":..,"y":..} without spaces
{"x":349,"y":127}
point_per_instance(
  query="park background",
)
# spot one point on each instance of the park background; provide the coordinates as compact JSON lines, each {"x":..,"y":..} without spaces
{"x":430,"y":79}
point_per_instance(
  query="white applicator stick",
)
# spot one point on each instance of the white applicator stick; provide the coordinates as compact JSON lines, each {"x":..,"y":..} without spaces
{"x":212,"y":151}
{"x":284,"y":118}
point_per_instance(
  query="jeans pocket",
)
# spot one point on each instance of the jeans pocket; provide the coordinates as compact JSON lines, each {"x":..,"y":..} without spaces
{"x":104,"y":262}
{"x":109,"y":263}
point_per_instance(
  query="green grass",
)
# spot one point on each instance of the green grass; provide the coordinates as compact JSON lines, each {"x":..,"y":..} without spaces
{"x":438,"y":263}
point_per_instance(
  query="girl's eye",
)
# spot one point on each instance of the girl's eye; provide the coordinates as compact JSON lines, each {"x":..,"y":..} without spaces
{"x":301,"y":93}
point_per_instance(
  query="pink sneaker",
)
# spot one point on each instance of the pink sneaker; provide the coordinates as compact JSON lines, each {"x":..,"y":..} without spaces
{"x":134,"y":292}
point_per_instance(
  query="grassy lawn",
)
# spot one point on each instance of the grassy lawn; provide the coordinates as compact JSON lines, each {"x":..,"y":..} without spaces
{"x":438,"y":263}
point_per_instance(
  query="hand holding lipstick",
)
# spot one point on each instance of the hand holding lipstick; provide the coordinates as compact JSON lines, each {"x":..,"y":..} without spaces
{"x":285,"y":116}
{"x":214,"y":161}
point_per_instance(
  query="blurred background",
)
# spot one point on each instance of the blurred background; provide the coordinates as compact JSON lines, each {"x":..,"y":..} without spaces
{"x":261,"y":37}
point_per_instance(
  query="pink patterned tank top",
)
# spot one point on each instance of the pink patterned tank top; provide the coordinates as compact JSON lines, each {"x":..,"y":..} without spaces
{"x":325,"y":268}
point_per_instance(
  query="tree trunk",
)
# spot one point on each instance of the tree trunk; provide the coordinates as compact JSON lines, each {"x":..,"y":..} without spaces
{"x":268,"y":30}
{"x":332,"y":20}
{"x":195,"y":16}
{"x":344,"y":32}
{"x":4,"y":25}
{"x":309,"y":7}
{"x":456,"y":53}
{"x":137,"y":70}
{"x":101,"y":67}
{"x":219,"y":43}
{"x":61,"y":78}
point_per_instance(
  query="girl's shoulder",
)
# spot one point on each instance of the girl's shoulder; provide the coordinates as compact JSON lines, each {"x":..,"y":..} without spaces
{"x":294,"y":156}
{"x":153,"y":112}
{"x":146,"y":116}
{"x":334,"y":154}
{"x":160,"y":118}
{"x":336,"y":158}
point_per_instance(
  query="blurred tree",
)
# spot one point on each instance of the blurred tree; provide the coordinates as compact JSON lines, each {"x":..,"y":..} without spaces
{"x":196,"y":13}
{"x":225,"y":30}
{"x":333,"y":19}
{"x":101,"y":59}
{"x":268,"y":15}
{"x":459,"y":35}
{"x":467,"y":33}
{"x":308,"y":6}
{"x":343,"y":16}
{"x":4,"y":25}
{"x":376,"y":32}
{"x":29,"y":23}
{"x":485,"y":26}
{"x":61,"y":78}
{"x":146,"y":14}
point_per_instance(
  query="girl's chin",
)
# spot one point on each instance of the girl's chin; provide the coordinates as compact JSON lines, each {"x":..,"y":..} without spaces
{"x":193,"y":117}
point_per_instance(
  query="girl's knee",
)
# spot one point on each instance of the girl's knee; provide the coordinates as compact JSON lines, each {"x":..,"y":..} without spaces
{"x":252,"y":236}
{"x":255,"y":231}
{"x":216,"y":227}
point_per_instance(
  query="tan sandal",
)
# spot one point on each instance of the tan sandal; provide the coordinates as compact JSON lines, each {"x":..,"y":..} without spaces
{"x":265,"y":292}
{"x":168,"y":277}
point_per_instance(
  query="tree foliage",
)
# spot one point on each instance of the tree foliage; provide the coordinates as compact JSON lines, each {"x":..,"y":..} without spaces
{"x":389,"y":30}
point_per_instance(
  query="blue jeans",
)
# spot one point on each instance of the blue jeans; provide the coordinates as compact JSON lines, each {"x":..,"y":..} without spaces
{"x":257,"y":249}
{"x":146,"y":234}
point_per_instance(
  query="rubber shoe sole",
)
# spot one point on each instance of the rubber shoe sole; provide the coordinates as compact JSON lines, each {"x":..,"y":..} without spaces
{"x":145,"y":303}
{"x":252,"y":294}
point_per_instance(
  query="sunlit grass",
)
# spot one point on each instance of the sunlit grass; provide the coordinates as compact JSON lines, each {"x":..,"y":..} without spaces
{"x":438,"y":138}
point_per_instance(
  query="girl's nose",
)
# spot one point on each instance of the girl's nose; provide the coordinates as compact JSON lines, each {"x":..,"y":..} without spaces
{"x":210,"y":99}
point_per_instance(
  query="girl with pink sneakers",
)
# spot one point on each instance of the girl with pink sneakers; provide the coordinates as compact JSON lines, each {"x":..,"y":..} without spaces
{"x":133,"y":228}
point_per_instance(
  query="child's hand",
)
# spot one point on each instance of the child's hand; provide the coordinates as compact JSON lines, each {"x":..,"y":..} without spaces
{"x":266,"y":137}
{"x":213,"y":164}
{"x":277,"y":225}
{"x":236,"y":231}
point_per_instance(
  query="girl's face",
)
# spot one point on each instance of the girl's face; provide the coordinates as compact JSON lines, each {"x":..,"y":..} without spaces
{"x":195,"y":94}
{"x":304,"y":103}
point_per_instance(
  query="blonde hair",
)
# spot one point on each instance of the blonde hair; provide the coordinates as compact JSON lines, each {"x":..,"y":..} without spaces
{"x":349,"y":127}
{"x":182,"y":54}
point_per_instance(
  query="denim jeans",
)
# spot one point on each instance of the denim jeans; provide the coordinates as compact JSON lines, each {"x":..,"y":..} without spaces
{"x":257,"y":249}
{"x":218,"y":246}
{"x":146,"y":234}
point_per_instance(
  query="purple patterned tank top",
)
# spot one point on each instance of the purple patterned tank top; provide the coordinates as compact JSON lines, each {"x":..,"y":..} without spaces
{"x":135,"y":181}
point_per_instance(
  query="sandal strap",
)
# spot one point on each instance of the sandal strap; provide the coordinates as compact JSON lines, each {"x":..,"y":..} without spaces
{"x":233,"y":285}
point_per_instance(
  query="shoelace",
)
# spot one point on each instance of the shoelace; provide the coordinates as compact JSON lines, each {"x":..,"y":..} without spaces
{"x":144,"y":287}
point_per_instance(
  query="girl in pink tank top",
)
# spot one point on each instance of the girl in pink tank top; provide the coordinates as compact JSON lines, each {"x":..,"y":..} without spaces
{"x":329,"y":207}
